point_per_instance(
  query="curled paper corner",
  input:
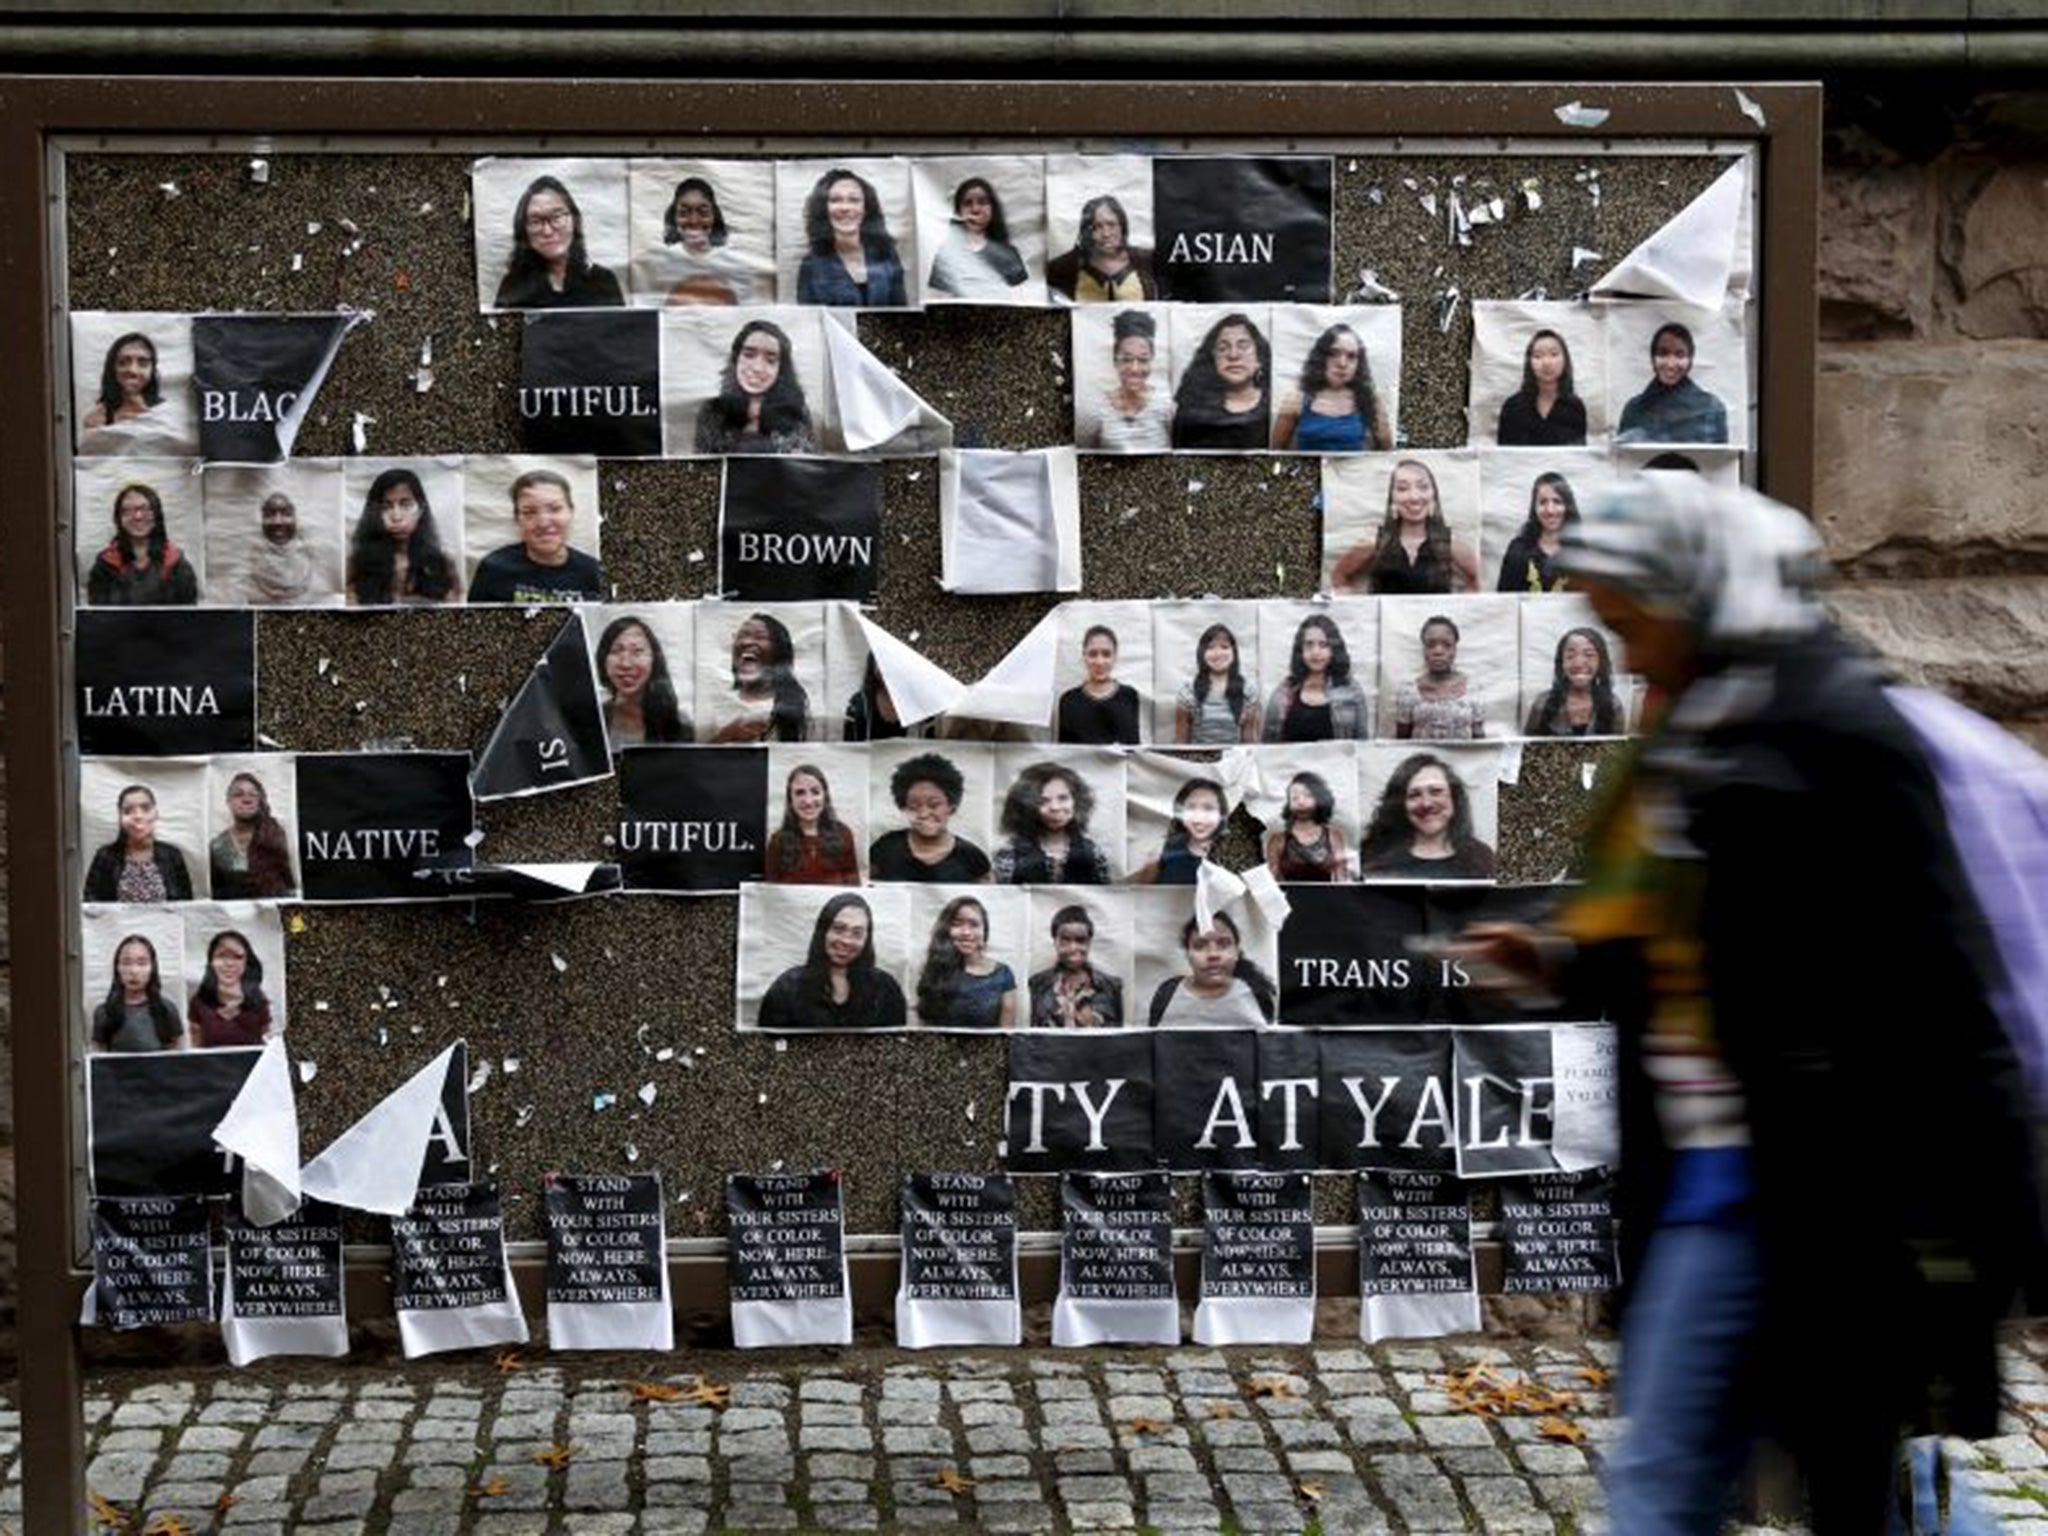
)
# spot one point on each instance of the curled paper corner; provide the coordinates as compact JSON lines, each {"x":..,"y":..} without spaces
{"x":1576,"y":114}
{"x":1750,"y":108}
{"x":1216,"y":890}
{"x":1267,"y":894}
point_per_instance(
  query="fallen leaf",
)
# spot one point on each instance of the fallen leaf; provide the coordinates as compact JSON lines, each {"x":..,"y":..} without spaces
{"x":1313,"y":1492}
{"x":167,"y":1525}
{"x":1561,"y":1430}
{"x":226,"y":1502}
{"x":108,"y":1515}
{"x":1483,"y":1390}
{"x":950,"y":1479}
{"x":654,"y":1391}
{"x":1144,"y":1426}
{"x":1222,"y":1409}
{"x":555,"y":1457}
{"x":508,"y":1361}
{"x":1272,"y":1386}
{"x":710,"y":1394}
{"x":1594,"y":1376}
{"x":490,"y":1490}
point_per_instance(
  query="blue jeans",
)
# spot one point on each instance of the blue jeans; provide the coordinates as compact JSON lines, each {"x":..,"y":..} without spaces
{"x":1688,"y":1352}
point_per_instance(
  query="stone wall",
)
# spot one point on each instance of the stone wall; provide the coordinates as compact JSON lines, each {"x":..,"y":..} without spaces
{"x":1933,"y":389}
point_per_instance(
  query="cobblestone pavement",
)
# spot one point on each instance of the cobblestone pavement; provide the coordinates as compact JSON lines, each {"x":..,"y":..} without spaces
{"x":1328,"y":1440}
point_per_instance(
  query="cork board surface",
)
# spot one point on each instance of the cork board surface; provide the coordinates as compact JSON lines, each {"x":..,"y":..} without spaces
{"x":583,"y":995}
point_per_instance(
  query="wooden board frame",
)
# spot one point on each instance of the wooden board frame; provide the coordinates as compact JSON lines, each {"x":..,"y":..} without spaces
{"x":35,"y":609}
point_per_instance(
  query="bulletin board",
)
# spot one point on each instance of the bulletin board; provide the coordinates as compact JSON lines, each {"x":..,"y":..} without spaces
{"x":602,"y":1030}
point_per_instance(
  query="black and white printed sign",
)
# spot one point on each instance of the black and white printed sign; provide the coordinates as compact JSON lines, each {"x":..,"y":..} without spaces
{"x":1079,"y":1101}
{"x":152,"y":1261}
{"x":381,"y":826}
{"x":1388,"y":1100}
{"x":1415,"y":1271}
{"x":284,"y":1289}
{"x":1116,"y":1260}
{"x":959,"y":1282}
{"x":1454,"y":908}
{"x":1290,"y":1099}
{"x":1206,"y":1110}
{"x":551,"y":735}
{"x":1234,"y":228}
{"x":607,"y":1278}
{"x":796,"y":529}
{"x":150,"y":1120}
{"x":255,"y":377}
{"x":165,"y":682}
{"x":1345,"y":957}
{"x":1557,"y":1232}
{"x":451,"y":1282}
{"x":788,"y":1267}
{"x":692,"y":818}
{"x":1258,"y":1259}
{"x":590,"y":382}
{"x":1507,"y":1100}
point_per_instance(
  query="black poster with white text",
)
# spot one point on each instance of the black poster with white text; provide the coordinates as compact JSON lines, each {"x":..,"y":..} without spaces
{"x":448,"y":1251}
{"x":692,"y":818}
{"x":255,"y":377}
{"x":787,"y":1266}
{"x":604,"y":1238}
{"x":1388,"y":1100}
{"x":150,"y":1119}
{"x":1454,"y":908}
{"x":1080,"y":1100}
{"x":1116,"y":1260}
{"x":797,"y":529}
{"x":1557,"y":1232}
{"x":1231,"y":228}
{"x":290,"y":1270}
{"x":165,"y":682}
{"x":1345,"y":956}
{"x":152,"y":1261}
{"x":1290,"y":1099}
{"x":590,"y":382}
{"x":551,"y":735}
{"x":378,"y":826}
{"x":1415,"y":1272}
{"x":1205,"y":1112}
{"x":1507,"y":1106}
{"x":1258,"y":1259}
{"x":959,"y":1284}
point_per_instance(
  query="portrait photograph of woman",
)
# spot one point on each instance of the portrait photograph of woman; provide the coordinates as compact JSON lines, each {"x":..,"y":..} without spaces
{"x":140,"y":534}
{"x":1061,"y":821}
{"x":1099,"y":218}
{"x":550,"y":233}
{"x":760,"y":672}
{"x":642,"y":656}
{"x":405,"y":543}
{"x":935,"y":804}
{"x":233,"y":981}
{"x":844,"y":234}
{"x":1175,"y":810}
{"x":1223,"y":398}
{"x":703,"y":232}
{"x":131,"y":384}
{"x":252,"y":808}
{"x":1574,"y":682}
{"x":963,"y":943}
{"x":1527,"y":501}
{"x":981,"y":227}
{"x":1400,"y":523}
{"x":1307,"y":799}
{"x":808,"y":961}
{"x":275,"y":536}
{"x":532,"y":527}
{"x":1432,"y":814}
{"x":1105,"y":651}
{"x":1677,"y":376}
{"x":816,"y":799}
{"x":749,"y":381}
{"x":1080,"y":960}
{"x":1539,"y":376}
{"x":145,"y":822}
{"x":1220,"y":977}
{"x":1338,"y":374}
{"x":135,"y":1009}
{"x":1319,"y":665}
{"x":1123,"y":392}
{"x":1449,"y":668}
{"x":1205,"y":673}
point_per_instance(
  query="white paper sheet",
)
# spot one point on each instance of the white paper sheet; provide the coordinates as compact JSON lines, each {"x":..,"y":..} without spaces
{"x":1018,"y":690}
{"x":876,"y":409}
{"x":1009,"y":522}
{"x":374,"y":1165}
{"x":919,"y":688}
{"x":262,"y":1128}
{"x":1693,"y":258}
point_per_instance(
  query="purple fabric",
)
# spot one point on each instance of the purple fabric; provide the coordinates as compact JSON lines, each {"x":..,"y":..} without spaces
{"x":1995,"y":791}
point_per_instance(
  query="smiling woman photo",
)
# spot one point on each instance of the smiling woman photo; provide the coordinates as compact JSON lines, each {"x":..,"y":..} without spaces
{"x":1318,"y":700}
{"x":640,"y":705}
{"x":542,"y":567}
{"x":1526,"y":567}
{"x":1071,"y":993}
{"x":852,"y":259}
{"x":1413,"y":550}
{"x":812,"y":846}
{"x":961,"y":986}
{"x":1580,"y":701}
{"x":230,"y":1008}
{"x":694,"y":234}
{"x":1422,"y":827}
{"x":760,"y":405}
{"x":927,"y":789}
{"x":140,"y":566}
{"x":1671,"y":408}
{"x":549,"y":267}
{"x":1136,"y":416}
{"x":838,"y":986}
{"x":129,"y":385}
{"x":773,"y":702}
